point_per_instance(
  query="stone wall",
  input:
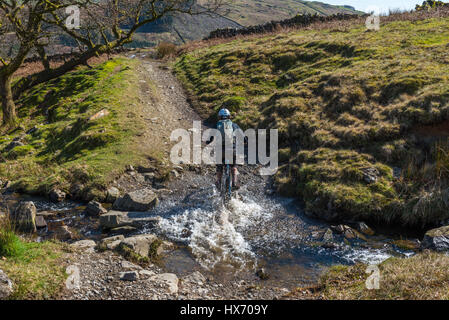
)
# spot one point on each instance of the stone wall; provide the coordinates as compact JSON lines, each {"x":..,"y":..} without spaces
{"x":302,"y":20}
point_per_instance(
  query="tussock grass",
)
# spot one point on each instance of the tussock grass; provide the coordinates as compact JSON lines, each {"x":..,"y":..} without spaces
{"x":424,"y":276}
{"x":346,"y":103}
{"x":10,"y":243}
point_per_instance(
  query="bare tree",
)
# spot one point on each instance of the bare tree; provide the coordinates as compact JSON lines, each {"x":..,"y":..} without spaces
{"x":21,"y":28}
{"x":109,"y":24}
{"x":105,"y":25}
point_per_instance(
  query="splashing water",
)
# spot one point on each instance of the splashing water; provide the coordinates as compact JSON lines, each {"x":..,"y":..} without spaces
{"x":215,"y":235}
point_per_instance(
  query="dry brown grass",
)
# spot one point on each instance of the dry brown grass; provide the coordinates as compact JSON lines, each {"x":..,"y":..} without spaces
{"x":35,"y":67}
{"x":166,"y":50}
{"x":422,"y":277}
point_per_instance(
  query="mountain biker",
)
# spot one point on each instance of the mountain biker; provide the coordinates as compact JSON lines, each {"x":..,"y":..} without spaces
{"x":227,"y":127}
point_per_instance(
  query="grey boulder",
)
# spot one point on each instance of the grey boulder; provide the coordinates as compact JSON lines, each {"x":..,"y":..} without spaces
{"x":437,"y":239}
{"x":6,"y":286}
{"x":140,"y":200}
{"x":24,"y":217}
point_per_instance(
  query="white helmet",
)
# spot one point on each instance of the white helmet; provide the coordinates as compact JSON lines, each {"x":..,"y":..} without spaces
{"x":224,"y":114}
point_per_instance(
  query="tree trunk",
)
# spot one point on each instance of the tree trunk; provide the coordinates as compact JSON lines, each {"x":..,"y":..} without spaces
{"x":43,"y":56}
{"x":8,"y":105}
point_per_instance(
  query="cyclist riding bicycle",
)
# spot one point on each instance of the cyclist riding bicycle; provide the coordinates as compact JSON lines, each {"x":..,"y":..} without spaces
{"x":227,"y":128}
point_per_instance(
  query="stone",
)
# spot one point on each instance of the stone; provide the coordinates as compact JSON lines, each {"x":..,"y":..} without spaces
{"x":149,"y":177}
{"x":83,"y":244}
{"x":195,"y":278}
{"x":47,"y":214}
{"x":129,"y":276}
{"x":57,"y":195}
{"x":112,"y":242}
{"x":76,"y":191}
{"x":116,"y":219}
{"x":328,"y":235}
{"x":6,"y":286}
{"x":348,"y":232}
{"x":363,"y":228}
{"x":122,"y":230}
{"x":437,"y":239}
{"x":370,"y":175}
{"x":112,"y":194}
{"x":140,"y":200}
{"x":24,"y":217}
{"x":130,"y":266}
{"x":95,"y":209}
{"x":262,"y":274}
{"x":164,"y":247}
{"x":55,"y":225}
{"x":146,"y":273}
{"x":13,"y":145}
{"x":139,"y":244}
{"x":63,"y":233}
{"x":168,"y":280}
{"x":40,"y":222}
{"x":99,"y":115}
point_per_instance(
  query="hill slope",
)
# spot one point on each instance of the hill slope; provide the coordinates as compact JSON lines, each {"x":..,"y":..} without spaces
{"x":252,"y":12}
{"x":359,"y":114}
{"x":183,"y":27}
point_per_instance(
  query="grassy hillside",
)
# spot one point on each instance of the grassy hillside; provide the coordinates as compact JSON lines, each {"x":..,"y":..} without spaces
{"x":183,"y":27}
{"x":62,"y":143}
{"x":362,"y":116}
{"x":252,"y":12}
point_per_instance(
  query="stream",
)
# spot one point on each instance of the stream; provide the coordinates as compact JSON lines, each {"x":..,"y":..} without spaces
{"x":256,"y":230}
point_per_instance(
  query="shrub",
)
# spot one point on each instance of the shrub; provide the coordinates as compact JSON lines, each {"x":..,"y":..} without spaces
{"x":166,"y":49}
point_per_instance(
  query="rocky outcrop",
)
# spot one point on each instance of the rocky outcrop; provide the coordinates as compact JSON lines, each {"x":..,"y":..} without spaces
{"x":437,"y":239}
{"x":24,"y":217}
{"x":6,"y":286}
{"x":140,"y":200}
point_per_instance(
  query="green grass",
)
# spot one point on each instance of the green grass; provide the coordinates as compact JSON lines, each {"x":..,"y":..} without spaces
{"x":35,"y":268}
{"x":10,"y":243}
{"x":67,"y":147}
{"x":345,"y":103}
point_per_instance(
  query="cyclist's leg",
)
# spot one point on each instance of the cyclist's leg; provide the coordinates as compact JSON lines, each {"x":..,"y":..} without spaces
{"x":219,"y":175}
{"x":235,"y":173}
